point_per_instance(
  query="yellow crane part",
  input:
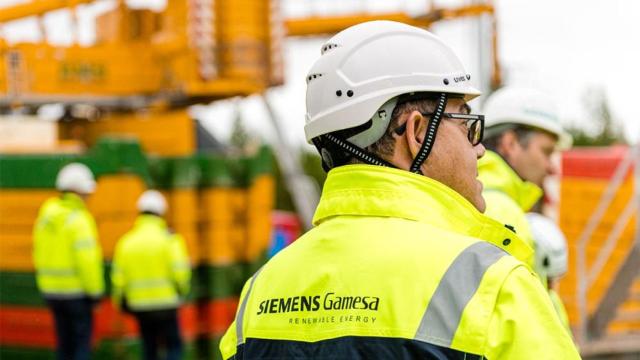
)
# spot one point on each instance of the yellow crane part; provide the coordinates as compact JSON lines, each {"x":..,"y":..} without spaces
{"x":36,"y":8}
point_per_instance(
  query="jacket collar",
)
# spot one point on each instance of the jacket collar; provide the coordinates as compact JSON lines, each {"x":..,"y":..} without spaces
{"x":150,"y":220}
{"x":496,"y":175}
{"x":72,"y":200}
{"x":368,"y":190}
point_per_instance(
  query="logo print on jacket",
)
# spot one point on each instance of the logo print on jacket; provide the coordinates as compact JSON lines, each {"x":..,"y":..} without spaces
{"x":330,"y":301}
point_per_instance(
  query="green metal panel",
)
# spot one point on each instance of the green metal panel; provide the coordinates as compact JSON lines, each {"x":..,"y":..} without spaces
{"x":238,"y":170}
{"x":216,"y":282}
{"x":122,"y":349}
{"x":190,"y":351}
{"x":186,"y":172}
{"x":160,"y":171}
{"x":174,"y":172}
{"x":32,"y":171}
{"x":131,"y":349}
{"x":22,"y":353}
{"x":252,"y":267}
{"x":259,"y":164}
{"x":108,"y":156}
{"x":221,"y":282}
{"x":19,"y":288}
{"x":119,"y":155}
{"x":209,"y":347}
{"x":215,"y":171}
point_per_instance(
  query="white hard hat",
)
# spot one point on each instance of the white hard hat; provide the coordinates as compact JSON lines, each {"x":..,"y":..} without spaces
{"x":363,"y":67}
{"x":551,"y":246}
{"x":529,"y":107}
{"x":152,"y":201}
{"x":76,"y":177}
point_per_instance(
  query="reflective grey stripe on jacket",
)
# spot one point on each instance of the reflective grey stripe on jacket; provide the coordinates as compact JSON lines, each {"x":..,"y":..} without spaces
{"x":149,"y":283}
{"x":85,"y":243}
{"x":243,"y":306}
{"x":169,"y":303}
{"x":456,"y":288}
{"x":57,"y":272}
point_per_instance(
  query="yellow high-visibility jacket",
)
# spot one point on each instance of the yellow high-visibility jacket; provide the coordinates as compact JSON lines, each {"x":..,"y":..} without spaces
{"x":151,"y":267}
{"x":398,"y":266}
{"x":508,"y":197}
{"x":66,"y":252}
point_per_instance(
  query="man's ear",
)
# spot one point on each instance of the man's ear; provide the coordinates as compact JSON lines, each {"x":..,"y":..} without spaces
{"x":416,"y":130}
{"x":508,"y":144}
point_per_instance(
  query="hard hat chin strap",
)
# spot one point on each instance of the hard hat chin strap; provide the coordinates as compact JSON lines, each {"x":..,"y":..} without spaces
{"x":359,"y":153}
{"x":430,"y":136}
{"x":336,"y":151}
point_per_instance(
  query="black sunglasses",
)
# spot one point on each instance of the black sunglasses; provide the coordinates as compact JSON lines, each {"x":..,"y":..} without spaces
{"x":473,"y":122}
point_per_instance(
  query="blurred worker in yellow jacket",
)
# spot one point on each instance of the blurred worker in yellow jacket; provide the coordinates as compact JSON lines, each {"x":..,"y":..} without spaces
{"x":151,"y":276}
{"x":401,"y":263}
{"x":68,"y":260}
{"x":522,"y":132}
{"x":551,"y":258}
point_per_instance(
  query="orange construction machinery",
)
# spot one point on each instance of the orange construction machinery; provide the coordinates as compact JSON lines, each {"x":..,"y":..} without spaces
{"x":192,"y":51}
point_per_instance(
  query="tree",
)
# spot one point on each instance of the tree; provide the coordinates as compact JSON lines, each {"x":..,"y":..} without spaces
{"x":608,"y":130}
{"x":239,"y":135}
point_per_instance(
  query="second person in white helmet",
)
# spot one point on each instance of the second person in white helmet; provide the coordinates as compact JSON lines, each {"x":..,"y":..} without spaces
{"x":522,"y":132}
{"x":401,"y":263}
{"x":151,"y":277}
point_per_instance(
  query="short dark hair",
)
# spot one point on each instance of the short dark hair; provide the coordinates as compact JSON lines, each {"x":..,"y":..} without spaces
{"x":385,"y":146}
{"x":146,"y":212}
{"x":523,"y":134}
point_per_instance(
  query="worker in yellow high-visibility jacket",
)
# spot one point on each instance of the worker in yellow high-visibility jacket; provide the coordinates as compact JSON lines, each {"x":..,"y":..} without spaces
{"x":523,"y":131}
{"x":401,"y":263}
{"x":151,"y":276}
{"x":68,"y":260}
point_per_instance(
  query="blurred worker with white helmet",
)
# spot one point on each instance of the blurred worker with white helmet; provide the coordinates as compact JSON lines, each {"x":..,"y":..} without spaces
{"x":522,"y":132}
{"x":551,"y":257}
{"x":76,"y":178}
{"x":152,"y":201}
{"x":401,"y":263}
{"x":68,"y":260}
{"x":151,"y":277}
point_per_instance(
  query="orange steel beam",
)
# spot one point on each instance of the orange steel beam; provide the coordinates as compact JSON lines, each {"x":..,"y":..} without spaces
{"x":295,"y":27}
{"x":36,"y":8}
{"x":470,"y":10}
{"x":496,"y":76}
{"x":324,"y":25}
{"x":332,"y":24}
